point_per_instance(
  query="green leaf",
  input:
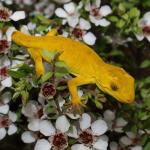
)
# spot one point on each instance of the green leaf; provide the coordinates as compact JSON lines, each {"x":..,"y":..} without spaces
{"x":120,"y":23}
{"x":61,"y":64}
{"x":147,"y":147}
{"x":23,"y":71}
{"x":134,"y":12}
{"x":46,"y":76}
{"x":16,"y":95}
{"x":43,"y":19}
{"x":113,"y":18}
{"x":145,"y":63}
{"x":25,"y":97}
{"x":49,"y":55}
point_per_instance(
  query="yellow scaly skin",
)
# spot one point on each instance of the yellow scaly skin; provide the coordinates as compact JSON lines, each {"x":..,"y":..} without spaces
{"x":83,"y":62}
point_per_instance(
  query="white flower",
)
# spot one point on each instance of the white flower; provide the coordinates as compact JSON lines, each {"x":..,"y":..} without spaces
{"x":80,"y":32}
{"x":98,"y":13}
{"x":119,"y":124}
{"x":144,"y":24}
{"x":7,"y":121}
{"x":130,"y":139}
{"x":91,"y":134}
{"x":45,"y":7}
{"x":47,"y":129}
{"x":7,"y":15}
{"x":69,"y":14}
{"x":5,"y":79}
{"x":4,"y":106}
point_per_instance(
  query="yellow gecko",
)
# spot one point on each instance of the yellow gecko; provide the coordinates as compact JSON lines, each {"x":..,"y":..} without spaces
{"x":84,"y":63}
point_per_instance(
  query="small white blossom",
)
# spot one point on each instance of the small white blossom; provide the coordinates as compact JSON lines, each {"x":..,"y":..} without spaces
{"x":144,"y":24}
{"x":69,"y":14}
{"x":91,"y":134}
{"x":98,"y":13}
{"x":7,"y":15}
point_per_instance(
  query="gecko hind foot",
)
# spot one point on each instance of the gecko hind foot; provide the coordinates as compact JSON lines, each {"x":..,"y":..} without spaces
{"x":75,"y":107}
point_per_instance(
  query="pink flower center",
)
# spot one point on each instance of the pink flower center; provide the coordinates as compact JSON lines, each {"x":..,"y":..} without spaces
{"x":146,"y":30}
{"x":48,"y":90}
{"x":86,"y":138}
{"x":4,"y":14}
{"x":3,"y":72}
{"x":59,"y":140}
{"x":4,"y":121}
{"x":4,"y":46}
{"x":78,"y":33}
{"x":95,"y":12}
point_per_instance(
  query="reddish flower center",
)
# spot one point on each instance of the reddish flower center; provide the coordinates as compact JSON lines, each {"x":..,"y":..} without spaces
{"x":77,"y":33}
{"x":95,"y":12}
{"x":4,"y":14}
{"x":59,"y":140}
{"x":86,"y":137}
{"x":4,"y":121}
{"x":48,"y":90}
{"x":4,"y":45}
{"x":3,"y":72}
{"x":146,"y":30}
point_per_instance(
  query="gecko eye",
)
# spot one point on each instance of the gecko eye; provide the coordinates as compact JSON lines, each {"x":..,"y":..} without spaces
{"x":114,"y":87}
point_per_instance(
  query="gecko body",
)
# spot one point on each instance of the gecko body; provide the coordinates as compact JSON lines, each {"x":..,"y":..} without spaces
{"x":83,"y":62}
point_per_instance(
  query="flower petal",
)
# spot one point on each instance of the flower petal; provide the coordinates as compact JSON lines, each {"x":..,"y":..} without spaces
{"x":137,"y":147}
{"x":147,"y":18}
{"x":97,"y":3}
{"x":101,"y":144}
{"x":105,"y":10}
{"x":148,"y":38}
{"x":60,"y":13}
{"x":25,"y":29}
{"x":9,"y":33}
{"x":126,"y":140}
{"x":34,"y":125}
{"x":89,"y":38}
{"x":99,"y":127}
{"x":85,"y":121}
{"x":28,"y":137}
{"x":12,"y":129}
{"x":12,"y":116}
{"x":42,"y":144}
{"x":103,"y":22}
{"x":18,"y":15}
{"x":2,"y":133}
{"x":139,"y":37}
{"x":113,"y":146}
{"x":46,"y":128}
{"x":79,"y":147}
{"x":70,"y":8}
{"x":84,"y":24}
{"x":72,"y":20}
{"x":4,"y":109}
{"x":6,"y":97}
{"x":62,"y":124}
{"x":109,"y":115}
{"x":7,"y":82}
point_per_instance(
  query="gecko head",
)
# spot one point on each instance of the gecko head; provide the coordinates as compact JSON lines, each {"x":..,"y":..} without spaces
{"x":118,"y":83}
